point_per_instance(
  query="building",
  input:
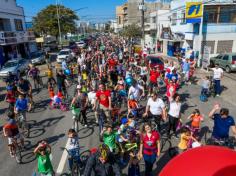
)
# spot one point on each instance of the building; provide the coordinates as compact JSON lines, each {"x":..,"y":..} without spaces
{"x":122,"y":16}
{"x":215,"y":31}
{"x":15,"y":40}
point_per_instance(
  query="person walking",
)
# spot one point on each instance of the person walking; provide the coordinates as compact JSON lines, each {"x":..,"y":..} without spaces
{"x":217,"y":76}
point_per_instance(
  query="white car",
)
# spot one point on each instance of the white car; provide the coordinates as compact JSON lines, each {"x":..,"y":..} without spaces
{"x":64,"y":54}
{"x":80,"y":44}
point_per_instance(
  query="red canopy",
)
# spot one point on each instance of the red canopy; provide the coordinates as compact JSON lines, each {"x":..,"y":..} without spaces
{"x":202,"y":161}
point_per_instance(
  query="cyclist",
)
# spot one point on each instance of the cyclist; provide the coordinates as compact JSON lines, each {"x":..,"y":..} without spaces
{"x":10,"y":97}
{"x":136,"y":90}
{"x":154,"y":75}
{"x":102,"y":163}
{"x":10,"y":130}
{"x":103,"y":101}
{"x":109,"y":137}
{"x":25,"y":88}
{"x":34,"y":74}
{"x":62,"y":82}
{"x":73,"y":147}
{"x":222,"y":122}
{"x":22,"y":105}
{"x":156,"y":109}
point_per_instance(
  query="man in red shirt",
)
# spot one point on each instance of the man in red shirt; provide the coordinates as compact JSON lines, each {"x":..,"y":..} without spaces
{"x":103,"y":101}
{"x":112,"y":63}
{"x":154,"y":75}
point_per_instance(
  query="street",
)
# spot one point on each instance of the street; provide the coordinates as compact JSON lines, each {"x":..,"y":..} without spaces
{"x":52,"y":125}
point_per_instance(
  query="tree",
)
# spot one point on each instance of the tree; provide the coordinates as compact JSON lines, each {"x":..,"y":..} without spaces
{"x":132,"y":31}
{"x":46,"y":21}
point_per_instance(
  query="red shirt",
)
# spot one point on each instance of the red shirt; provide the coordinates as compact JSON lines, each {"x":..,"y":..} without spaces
{"x":10,"y":98}
{"x":112,"y":63}
{"x":103,"y":97}
{"x":150,"y":144}
{"x":171,"y":90}
{"x":154,"y":75}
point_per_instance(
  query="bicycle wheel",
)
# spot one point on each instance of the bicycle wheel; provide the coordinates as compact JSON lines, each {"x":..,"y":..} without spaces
{"x":18,"y":156}
{"x":75,"y":169}
{"x":26,"y":129}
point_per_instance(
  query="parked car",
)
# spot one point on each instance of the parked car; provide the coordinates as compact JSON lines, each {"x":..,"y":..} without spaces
{"x":226,"y":61}
{"x":15,"y":66}
{"x":64,"y":54}
{"x":38,"y":58}
{"x":153,"y":61}
{"x":81,"y":44}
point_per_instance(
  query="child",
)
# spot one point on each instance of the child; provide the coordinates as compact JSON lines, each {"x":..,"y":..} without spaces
{"x":42,"y":152}
{"x":51,"y":93}
{"x":205,"y":84}
{"x":11,"y":130}
{"x":10,"y":97}
{"x":196,"y":119}
{"x":109,"y":137}
{"x":132,"y":106}
{"x":133,"y":169}
{"x":57,"y":99}
{"x":73,"y":147}
{"x":185,"y":138}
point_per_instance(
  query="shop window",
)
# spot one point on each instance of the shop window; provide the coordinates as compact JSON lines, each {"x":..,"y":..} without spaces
{"x":18,"y":25}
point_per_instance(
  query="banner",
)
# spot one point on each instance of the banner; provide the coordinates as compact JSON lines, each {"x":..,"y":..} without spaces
{"x":194,"y":11}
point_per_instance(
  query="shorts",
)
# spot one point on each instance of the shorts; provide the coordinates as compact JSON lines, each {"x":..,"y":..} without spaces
{"x":11,"y":139}
{"x":152,"y":84}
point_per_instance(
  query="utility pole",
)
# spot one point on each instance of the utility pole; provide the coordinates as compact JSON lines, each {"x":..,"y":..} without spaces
{"x":142,"y":9}
{"x":58,"y":22}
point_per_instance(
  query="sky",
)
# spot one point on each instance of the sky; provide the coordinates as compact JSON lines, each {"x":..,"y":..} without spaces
{"x":94,"y":10}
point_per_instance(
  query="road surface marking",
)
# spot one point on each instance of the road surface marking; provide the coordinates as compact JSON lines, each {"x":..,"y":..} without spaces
{"x":63,"y":160}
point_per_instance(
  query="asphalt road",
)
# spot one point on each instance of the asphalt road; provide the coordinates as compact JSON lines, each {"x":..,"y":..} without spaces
{"x":52,"y":125}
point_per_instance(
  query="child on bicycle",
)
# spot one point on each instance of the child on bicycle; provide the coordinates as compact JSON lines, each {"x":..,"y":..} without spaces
{"x":11,"y":130}
{"x":73,"y":148}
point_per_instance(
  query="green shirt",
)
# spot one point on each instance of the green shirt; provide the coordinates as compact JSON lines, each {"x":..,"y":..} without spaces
{"x":110,"y":139}
{"x":44,"y":164}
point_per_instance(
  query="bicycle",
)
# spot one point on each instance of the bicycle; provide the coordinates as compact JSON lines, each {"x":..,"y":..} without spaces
{"x":224,"y":142}
{"x":23,"y":125}
{"x":16,"y":148}
{"x":74,"y":158}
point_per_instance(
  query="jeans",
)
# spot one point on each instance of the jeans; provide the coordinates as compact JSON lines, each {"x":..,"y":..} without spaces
{"x":73,"y":154}
{"x":217,"y":87}
{"x":173,"y":122}
{"x":149,"y":161}
{"x":204,"y":91}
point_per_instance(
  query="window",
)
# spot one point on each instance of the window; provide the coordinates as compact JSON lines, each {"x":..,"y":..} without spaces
{"x":153,"y":19}
{"x":210,"y":14}
{"x":18,"y":24}
{"x":174,"y":19}
{"x":227,"y":14}
{"x":183,"y":19}
{"x":226,"y":57}
{"x":119,"y":20}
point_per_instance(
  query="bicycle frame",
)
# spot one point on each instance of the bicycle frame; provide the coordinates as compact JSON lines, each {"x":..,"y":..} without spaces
{"x":17,"y":150}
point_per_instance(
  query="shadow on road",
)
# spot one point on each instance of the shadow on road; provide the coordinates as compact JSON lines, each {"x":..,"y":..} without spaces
{"x":49,"y":122}
{"x":85,"y":132}
{"x":52,"y":140}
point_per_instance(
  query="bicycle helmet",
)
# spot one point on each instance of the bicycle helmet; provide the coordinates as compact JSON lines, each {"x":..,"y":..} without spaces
{"x":124,"y":120}
{"x":103,"y":151}
{"x":9,"y":87}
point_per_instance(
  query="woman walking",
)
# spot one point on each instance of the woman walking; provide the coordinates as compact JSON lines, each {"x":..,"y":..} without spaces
{"x":149,"y":147}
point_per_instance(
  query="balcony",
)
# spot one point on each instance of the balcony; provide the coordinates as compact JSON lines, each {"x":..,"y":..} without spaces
{"x":8,"y":38}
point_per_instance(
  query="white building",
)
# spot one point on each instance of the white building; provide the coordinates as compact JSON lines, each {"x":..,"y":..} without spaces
{"x":217,"y":29}
{"x":14,"y":39}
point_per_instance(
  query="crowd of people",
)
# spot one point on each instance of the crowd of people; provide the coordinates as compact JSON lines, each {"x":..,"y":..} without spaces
{"x":130,"y":99}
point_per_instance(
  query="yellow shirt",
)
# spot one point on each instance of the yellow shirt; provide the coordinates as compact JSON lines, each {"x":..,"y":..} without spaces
{"x":50,"y":74}
{"x":84,"y":76}
{"x":183,"y":144}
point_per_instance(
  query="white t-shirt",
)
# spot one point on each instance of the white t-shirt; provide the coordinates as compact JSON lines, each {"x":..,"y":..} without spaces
{"x":80,"y":60}
{"x":135,"y":91}
{"x":175,"y":108}
{"x":156,"y":107}
{"x":73,"y":143}
{"x":217,"y":73}
{"x":92,"y":97}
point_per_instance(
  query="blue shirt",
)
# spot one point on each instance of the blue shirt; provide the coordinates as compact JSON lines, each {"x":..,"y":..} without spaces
{"x":222,"y":126}
{"x":63,"y":65}
{"x":186,"y":66}
{"x":21,"y":104}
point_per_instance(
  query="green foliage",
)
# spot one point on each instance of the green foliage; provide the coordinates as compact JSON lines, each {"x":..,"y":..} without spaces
{"x":46,"y":21}
{"x":132,"y":31}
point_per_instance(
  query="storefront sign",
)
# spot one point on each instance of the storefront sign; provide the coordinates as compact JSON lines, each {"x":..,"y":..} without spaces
{"x":194,"y":11}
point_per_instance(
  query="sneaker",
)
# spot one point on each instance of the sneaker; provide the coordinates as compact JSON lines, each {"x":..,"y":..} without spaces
{"x":11,"y":154}
{"x":85,"y":125}
{"x":217,"y":95}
